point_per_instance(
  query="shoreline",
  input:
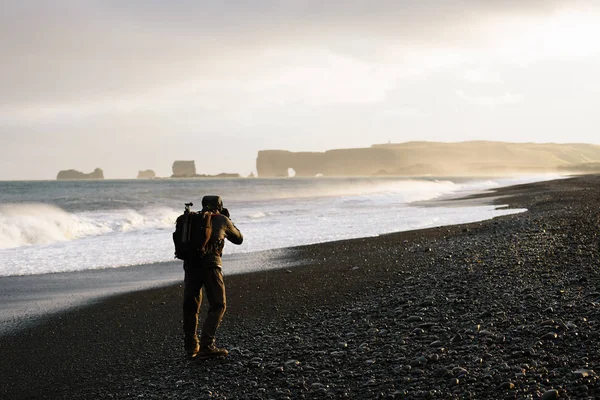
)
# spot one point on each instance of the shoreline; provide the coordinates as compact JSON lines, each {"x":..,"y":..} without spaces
{"x":28,"y":299}
{"x":109,"y":239}
{"x":461,"y":311}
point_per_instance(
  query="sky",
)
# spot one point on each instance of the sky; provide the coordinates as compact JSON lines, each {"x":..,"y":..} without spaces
{"x":129,"y":85}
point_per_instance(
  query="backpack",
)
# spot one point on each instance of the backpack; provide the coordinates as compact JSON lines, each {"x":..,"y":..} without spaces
{"x":192,"y":233}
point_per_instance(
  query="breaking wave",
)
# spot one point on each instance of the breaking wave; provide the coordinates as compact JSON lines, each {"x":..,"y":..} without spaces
{"x":25,"y":224}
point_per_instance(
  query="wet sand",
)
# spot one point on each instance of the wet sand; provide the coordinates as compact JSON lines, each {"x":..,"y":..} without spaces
{"x":505,"y":308}
{"x":28,"y":300}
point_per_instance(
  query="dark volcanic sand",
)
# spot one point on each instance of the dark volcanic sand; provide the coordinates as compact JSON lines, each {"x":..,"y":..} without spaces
{"x":506,"y":308}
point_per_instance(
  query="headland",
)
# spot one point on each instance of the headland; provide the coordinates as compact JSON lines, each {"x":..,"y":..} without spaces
{"x":471,"y":158}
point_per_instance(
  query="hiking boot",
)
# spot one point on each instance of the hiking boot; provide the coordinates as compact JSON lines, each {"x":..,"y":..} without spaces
{"x":192,"y":351}
{"x":211,"y":352}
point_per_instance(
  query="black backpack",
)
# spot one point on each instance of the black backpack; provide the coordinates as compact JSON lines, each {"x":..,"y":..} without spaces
{"x":193,"y":229}
{"x":191,"y":236}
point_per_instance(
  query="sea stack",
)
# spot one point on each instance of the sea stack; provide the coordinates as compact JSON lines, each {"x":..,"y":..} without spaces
{"x":184,"y":169}
{"x":147,"y":174}
{"x":74,"y":174}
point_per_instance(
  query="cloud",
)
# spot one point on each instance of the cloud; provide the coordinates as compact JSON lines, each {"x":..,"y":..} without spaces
{"x":491,"y":100}
{"x":312,"y":78}
{"x":401,"y":113}
{"x":69,"y":51}
{"x":481,"y":76}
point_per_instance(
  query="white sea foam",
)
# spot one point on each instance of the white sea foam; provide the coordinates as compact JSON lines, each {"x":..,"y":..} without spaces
{"x":257,"y":215}
{"x":330,"y":187}
{"x":29,"y":224}
{"x":32,"y":223}
{"x":128,"y":220}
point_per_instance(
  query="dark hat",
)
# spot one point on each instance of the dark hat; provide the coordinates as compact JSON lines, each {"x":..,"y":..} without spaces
{"x":212,"y":202}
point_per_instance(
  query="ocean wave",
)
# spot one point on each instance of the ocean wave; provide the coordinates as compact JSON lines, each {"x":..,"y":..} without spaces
{"x":128,"y":220}
{"x":33,"y":223}
{"x":26,"y":224}
{"x":257,"y":215}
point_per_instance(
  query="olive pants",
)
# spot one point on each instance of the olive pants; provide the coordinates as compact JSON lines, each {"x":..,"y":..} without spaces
{"x":212,"y":281}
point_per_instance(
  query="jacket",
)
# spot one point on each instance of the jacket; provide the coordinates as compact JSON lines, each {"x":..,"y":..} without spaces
{"x":221,"y":228}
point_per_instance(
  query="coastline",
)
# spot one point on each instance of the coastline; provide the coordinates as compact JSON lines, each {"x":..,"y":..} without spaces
{"x":26,"y":299}
{"x":399,"y":315}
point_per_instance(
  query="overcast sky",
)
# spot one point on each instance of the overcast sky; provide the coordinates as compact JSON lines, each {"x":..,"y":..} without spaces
{"x":130,"y":85}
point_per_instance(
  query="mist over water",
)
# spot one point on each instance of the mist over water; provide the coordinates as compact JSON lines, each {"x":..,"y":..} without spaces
{"x":59,"y":226}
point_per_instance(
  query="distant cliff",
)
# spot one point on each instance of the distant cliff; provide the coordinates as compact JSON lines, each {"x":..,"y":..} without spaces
{"x":147,"y":174}
{"x":348,"y":162}
{"x":74,"y":174}
{"x":433,"y":158}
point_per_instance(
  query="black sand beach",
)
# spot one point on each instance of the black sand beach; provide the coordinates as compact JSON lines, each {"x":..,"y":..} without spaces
{"x":506,"y":308}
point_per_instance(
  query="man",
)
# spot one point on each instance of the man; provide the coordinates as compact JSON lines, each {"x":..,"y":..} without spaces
{"x":205,"y":271}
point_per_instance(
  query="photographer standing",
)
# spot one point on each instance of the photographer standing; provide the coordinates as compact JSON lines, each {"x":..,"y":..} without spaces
{"x":205,"y":271}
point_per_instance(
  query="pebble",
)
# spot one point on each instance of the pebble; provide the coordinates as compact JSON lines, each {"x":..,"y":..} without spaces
{"x":549,"y":336}
{"x":507,"y":386}
{"x":456,"y":338}
{"x":582,"y":388}
{"x":584,"y":373}
{"x":550,"y":395}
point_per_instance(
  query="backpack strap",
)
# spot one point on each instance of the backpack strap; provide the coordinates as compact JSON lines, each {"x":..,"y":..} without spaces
{"x":207,"y":222}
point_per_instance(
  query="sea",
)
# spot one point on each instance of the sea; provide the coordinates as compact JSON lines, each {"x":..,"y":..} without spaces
{"x":66,"y":226}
